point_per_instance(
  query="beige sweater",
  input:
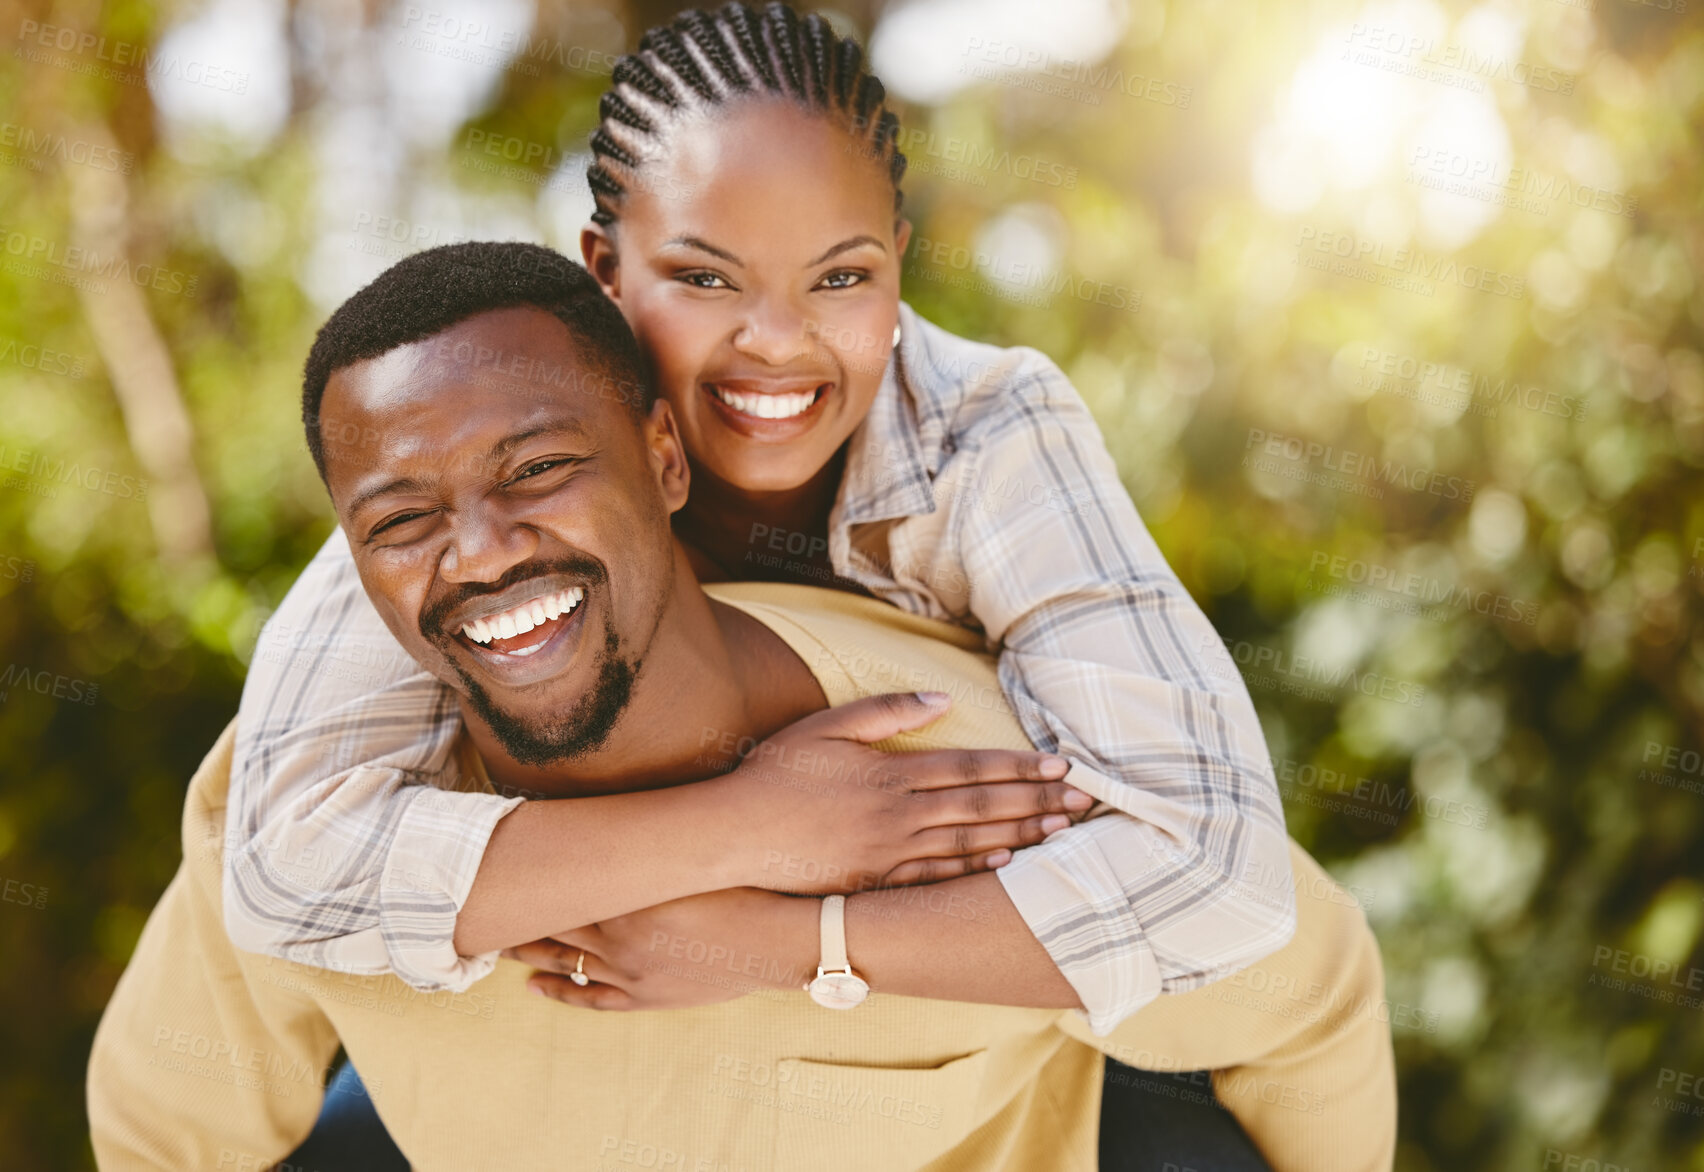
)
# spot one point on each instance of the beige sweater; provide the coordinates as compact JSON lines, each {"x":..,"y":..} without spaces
{"x":211,"y":1058}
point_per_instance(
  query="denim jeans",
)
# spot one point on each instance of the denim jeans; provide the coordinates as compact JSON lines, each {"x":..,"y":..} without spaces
{"x":1149,"y":1123}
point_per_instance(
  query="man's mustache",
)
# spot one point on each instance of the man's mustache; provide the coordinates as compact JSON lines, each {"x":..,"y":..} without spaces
{"x":437,"y":612}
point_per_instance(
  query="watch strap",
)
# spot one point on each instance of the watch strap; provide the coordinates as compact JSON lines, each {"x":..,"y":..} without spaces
{"x":834,"y":933}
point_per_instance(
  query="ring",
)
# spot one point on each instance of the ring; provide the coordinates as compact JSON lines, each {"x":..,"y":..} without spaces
{"x":578,"y":976}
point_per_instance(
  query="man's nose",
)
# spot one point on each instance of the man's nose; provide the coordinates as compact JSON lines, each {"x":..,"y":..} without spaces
{"x":483,"y":547}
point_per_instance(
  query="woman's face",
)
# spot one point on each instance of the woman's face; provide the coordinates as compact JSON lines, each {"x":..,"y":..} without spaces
{"x":758,"y":266}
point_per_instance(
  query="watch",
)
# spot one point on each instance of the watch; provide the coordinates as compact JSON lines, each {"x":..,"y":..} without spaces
{"x":836,"y":985}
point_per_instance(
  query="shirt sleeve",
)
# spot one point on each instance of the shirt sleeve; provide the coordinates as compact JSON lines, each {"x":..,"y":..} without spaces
{"x":353,"y":838}
{"x":1184,"y":877}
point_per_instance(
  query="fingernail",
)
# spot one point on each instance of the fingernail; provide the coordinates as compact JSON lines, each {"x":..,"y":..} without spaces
{"x":1054,"y":822}
{"x":1054,"y":767}
{"x":999,"y":858}
{"x":934,"y":699}
{"x":1078,"y":800}
{"x":535,"y":989}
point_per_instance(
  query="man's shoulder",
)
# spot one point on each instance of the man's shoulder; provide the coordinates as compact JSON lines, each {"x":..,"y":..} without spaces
{"x":843,"y":616}
{"x":858,"y":646}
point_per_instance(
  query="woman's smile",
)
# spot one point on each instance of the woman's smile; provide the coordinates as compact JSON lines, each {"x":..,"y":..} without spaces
{"x":767,"y":409}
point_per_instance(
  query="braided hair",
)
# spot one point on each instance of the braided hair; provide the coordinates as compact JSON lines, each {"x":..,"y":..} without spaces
{"x":702,"y":60}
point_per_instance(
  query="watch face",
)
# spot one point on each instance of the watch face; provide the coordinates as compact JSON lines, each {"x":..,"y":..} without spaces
{"x":838,"y":990}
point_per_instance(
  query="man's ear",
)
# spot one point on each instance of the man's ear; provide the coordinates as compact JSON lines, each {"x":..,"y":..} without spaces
{"x":597,"y":246}
{"x":667,"y":455}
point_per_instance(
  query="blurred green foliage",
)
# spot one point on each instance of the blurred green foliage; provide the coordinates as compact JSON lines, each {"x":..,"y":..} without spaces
{"x":1514,"y":800}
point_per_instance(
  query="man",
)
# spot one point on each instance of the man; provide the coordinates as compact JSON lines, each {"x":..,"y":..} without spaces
{"x":967,"y":1055}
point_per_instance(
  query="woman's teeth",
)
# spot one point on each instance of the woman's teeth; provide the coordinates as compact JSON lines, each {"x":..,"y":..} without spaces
{"x":769,"y":406}
{"x":524,"y":617}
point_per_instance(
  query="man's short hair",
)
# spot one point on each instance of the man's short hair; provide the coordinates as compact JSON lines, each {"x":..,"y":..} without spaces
{"x":431,"y":291}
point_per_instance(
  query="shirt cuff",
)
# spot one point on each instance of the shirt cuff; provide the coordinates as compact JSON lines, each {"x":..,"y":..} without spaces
{"x":429,"y":871}
{"x":1073,"y":902}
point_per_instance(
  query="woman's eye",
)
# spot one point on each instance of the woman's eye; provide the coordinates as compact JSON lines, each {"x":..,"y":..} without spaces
{"x":844,"y":279}
{"x":705,"y":281}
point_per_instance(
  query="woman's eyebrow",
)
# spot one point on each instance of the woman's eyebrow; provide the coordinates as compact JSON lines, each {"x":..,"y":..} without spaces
{"x":703,"y":246}
{"x":846,"y":245}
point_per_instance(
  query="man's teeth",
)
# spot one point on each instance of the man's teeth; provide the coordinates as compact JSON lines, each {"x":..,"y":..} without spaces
{"x":768,"y":406}
{"x":524,"y":617}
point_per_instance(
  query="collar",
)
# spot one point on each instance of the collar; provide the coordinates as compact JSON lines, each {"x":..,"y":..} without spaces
{"x":892,"y":458}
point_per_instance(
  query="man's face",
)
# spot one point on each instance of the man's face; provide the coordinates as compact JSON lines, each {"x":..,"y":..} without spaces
{"x":480,"y":502}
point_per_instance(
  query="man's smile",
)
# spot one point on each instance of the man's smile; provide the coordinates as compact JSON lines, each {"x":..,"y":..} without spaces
{"x":523,"y":635}
{"x":507,"y":631}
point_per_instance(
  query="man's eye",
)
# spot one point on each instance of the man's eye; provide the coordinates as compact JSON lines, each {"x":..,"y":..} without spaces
{"x":393,"y":522}
{"x":702,"y":280}
{"x":844,"y":279}
{"x":541,"y":466}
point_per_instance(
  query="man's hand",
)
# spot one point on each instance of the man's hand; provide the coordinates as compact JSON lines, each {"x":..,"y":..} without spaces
{"x":695,"y":951}
{"x":820,"y":812}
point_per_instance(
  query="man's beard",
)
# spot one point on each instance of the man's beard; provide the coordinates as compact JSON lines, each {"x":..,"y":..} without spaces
{"x":582,"y":729}
{"x":590,"y":719}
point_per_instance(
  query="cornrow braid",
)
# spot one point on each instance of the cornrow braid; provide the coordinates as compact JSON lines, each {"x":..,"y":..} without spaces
{"x":702,"y":60}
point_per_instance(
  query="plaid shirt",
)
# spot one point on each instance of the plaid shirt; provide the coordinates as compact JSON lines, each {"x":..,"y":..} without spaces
{"x":978,"y":491}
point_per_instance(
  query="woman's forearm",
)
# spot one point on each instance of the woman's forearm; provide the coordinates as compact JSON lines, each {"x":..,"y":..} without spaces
{"x":552,"y":865}
{"x":961,"y":940}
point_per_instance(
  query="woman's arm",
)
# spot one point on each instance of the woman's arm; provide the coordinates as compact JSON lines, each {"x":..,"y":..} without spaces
{"x":1107,"y":661}
{"x":960,"y":940}
{"x":344,"y":853}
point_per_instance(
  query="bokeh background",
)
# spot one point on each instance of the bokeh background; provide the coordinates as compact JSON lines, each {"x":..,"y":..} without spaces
{"x":1390,"y":312}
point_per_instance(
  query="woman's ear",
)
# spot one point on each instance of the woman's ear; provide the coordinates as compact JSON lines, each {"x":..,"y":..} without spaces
{"x":667,"y":455}
{"x":901,"y":237}
{"x":597,"y":246}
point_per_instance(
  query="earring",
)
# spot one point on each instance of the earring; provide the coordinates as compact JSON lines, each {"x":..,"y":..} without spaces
{"x":896,"y":335}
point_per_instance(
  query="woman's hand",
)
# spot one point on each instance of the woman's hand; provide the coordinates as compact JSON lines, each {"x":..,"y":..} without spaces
{"x":699,"y":950}
{"x":822,"y":812}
